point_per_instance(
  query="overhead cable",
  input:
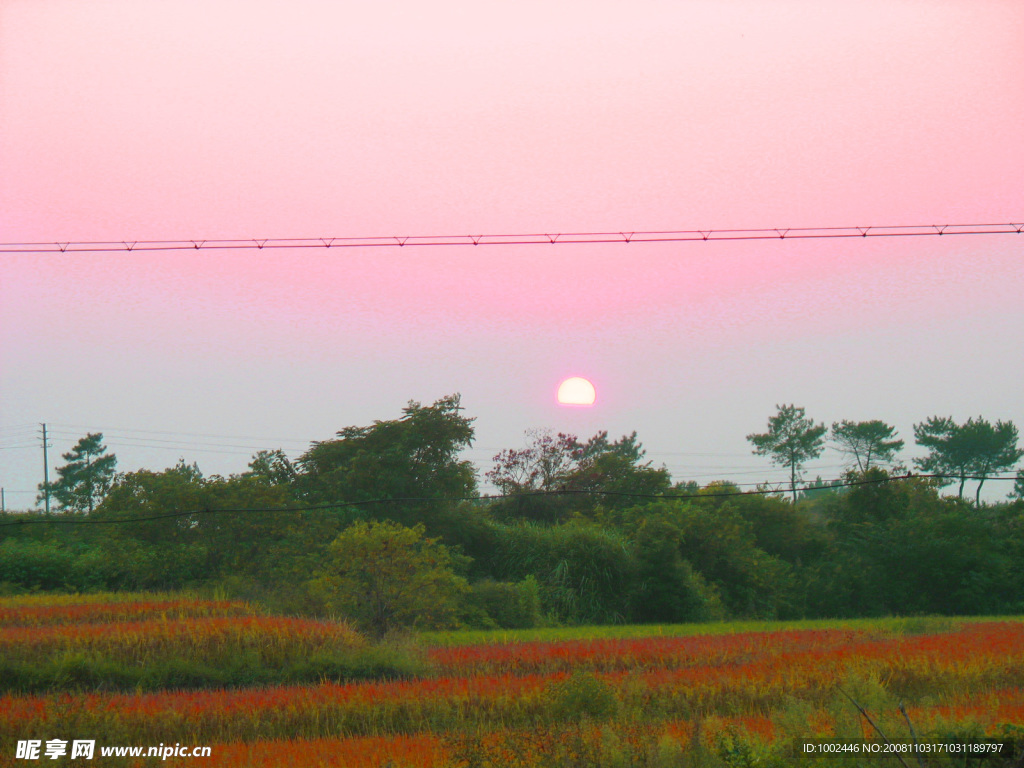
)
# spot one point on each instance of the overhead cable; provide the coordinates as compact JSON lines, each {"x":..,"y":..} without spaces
{"x":536,"y":238}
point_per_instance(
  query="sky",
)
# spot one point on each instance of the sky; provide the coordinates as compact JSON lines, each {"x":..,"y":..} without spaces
{"x":123,"y":120}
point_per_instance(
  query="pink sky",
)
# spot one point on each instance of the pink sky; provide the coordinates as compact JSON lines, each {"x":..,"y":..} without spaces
{"x":124,"y":120}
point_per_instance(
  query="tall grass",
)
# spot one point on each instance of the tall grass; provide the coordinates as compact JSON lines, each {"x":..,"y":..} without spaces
{"x":269,"y":691}
{"x":734,"y":680}
{"x":38,"y":611}
{"x":889,"y":625}
{"x":153,"y":644}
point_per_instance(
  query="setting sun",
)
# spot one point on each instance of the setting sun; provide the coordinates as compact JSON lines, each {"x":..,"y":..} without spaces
{"x":576,"y":391}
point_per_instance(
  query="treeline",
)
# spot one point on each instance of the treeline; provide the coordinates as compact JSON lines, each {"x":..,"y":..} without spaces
{"x":587,"y":531}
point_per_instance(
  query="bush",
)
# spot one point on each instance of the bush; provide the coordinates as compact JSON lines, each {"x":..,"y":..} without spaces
{"x":387,"y":577}
{"x":584,"y":572}
{"x":582,"y":695}
{"x":509,"y":605}
{"x":669,"y":590}
{"x":34,"y":564}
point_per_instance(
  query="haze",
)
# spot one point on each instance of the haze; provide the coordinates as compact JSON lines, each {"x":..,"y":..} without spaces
{"x":125,"y":120}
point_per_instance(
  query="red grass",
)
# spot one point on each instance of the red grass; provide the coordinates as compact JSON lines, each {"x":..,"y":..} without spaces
{"x":43,"y":614}
{"x":740,"y":678}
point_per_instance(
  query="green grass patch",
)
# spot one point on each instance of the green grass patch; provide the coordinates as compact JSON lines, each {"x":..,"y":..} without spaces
{"x":895,"y":625}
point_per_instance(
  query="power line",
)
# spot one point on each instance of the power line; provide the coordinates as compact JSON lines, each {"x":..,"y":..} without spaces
{"x":169,"y":445}
{"x":493,"y":497}
{"x":19,"y":428}
{"x":114,"y":434}
{"x":112,"y":430}
{"x":535,"y":238}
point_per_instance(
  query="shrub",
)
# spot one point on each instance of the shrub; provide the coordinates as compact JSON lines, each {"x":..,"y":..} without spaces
{"x":584,"y":572}
{"x":509,"y":605}
{"x":582,"y":695}
{"x":34,"y":564}
{"x":387,"y":576}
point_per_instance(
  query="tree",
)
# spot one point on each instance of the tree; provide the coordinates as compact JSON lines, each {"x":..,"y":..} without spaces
{"x":544,"y":465}
{"x":415,"y":456}
{"x":563,"y":463}
{"x":584,"y":570}
{"x":272,"y":467}
{"x":617,"y":467}
{"x":386,"y":576}
{"x":86,"y":477}
{"x":973,"y":450}
{"x":161,"y":547}
{"x":819,"y":489}
{"x":669,"y":590}
{"x":866,"y":441}
{"x":791,"y":440}
{"x":162,"y":499}
{"x":1018,"y":486}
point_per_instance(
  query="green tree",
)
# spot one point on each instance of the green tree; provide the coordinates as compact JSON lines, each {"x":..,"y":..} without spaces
{"x":618,"y":467}
{"x":722,"y":547}
{"x":415,"y":456}
{"x":563,"y":463}
{"x":187,"y":528}
{"x":791,"y":441}
{"x":86,"y":478}
{"x":386,"y":576}
{"x":668,"y":589}
{"x":1018,"y":486}
{"x":866,"y":442}
{"x":160,"y":499}
{"x":273,"y":467}
{"x":585,"y":571}
{"x":973,"y":450}
{"x":899,"y":548}
{"x":161,"y":548}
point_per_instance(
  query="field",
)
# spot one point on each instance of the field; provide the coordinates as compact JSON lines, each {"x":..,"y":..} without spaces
{"x":148,"y":670}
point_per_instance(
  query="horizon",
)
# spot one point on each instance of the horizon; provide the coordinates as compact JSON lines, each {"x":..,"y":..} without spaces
{"x":127,"y":123}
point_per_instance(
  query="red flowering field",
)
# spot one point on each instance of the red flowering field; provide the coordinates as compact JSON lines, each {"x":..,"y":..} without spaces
{"x":688,"y":699}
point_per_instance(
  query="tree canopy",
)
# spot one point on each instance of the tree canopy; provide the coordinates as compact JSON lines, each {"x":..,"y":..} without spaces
{"x":1018,"y":486}
{"x":563,"y":462}
{"x":415,"y":456}
{"x":791,"y":441}
{"x":973,"y":450}
{"x":387,"y":576}
{"x":82,"y":483}
{"x":543,"y":465}
{"x":866,"y":442}
{"x":619,"y":544}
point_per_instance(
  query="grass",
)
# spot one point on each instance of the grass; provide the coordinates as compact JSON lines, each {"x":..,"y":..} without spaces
{"x":173,"y":642}
{"x":893,"y":625}
{"x":268,"y":690}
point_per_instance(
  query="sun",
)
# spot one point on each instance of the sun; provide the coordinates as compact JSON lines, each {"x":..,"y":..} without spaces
{"x":576,"y":391}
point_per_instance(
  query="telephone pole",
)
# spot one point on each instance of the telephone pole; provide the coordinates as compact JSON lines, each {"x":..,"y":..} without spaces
{"x":46,"y":472}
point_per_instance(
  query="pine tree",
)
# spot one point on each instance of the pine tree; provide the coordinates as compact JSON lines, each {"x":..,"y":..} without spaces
{"x":791,"y":441}
{"x":86,"y":478}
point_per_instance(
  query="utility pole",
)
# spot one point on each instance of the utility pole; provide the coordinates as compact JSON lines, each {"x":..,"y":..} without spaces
{"x":46,"y":472}
{"x":3,"y":503}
